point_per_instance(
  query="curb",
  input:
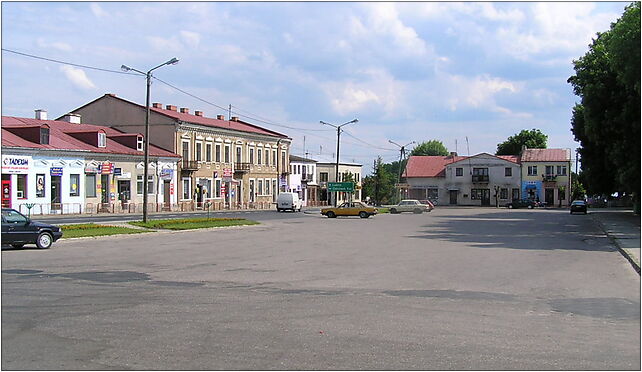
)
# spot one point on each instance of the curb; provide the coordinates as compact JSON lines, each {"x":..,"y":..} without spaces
{"x":622,"y":250}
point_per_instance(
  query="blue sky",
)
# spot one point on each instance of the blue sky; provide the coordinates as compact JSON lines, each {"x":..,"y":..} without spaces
{"x":407,"y":71}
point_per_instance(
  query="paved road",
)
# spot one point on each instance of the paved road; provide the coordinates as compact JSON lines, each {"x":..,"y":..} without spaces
{"x":453,"y":289}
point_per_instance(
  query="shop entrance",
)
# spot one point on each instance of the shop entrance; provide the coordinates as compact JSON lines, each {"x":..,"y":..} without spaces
{"x":453,"y":197}
{"x":56,"y":200}
{"x":485,"y":200}
{"x":6,"y":192}
{"x":549,"y":197}
{"x":167,"y":194}
{"x":104,"y":190}
{"x":124,"y":190}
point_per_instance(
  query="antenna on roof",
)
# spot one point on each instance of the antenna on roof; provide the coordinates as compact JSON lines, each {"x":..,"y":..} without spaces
{"x":456,"y":145}
{"x":229,"y":115}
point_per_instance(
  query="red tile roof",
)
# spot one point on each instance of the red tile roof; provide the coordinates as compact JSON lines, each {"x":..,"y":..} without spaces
{"x":59,"y":139}
{"x":429,"y":166}
{"x":546,"y":155}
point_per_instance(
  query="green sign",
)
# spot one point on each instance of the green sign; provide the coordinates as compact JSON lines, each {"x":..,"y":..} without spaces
{"x":341,"y":186}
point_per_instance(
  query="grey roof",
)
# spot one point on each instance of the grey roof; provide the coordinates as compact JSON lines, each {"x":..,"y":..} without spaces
{"x":300,"y":159}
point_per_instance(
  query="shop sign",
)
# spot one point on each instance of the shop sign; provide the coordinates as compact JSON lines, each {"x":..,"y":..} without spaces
{"x":166,"y":174}
{"x":118,"y":171}
{"x":227,"y":172}
{"x":15,"y":164}
{"x":40,"y":185}
{"x":92,"y":168}
{"x":171,"y":188}
{"x":107,"y":168}
{"x":55,"y":171}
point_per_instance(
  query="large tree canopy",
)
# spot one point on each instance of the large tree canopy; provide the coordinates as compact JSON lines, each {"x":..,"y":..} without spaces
{"x":607,"y":121}
{"x":533,"y":139}
{"x":432,"y":147}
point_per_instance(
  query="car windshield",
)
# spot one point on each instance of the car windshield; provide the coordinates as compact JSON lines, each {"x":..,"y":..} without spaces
{"x":577,"y":202}
{"x":12,"y":216}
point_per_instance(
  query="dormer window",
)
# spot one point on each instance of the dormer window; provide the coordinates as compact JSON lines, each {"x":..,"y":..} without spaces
{"x":139,"y":143}
{"x":102,"y":139}
{"x":44,"y":135}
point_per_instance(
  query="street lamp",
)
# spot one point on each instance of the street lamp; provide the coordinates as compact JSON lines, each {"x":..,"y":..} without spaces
{"x":336,"y":172}
{"x":148,"y":75}
{"x":402,"y":154}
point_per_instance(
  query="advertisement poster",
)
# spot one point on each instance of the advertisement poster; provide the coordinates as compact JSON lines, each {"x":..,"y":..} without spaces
{"x":40,"y":185}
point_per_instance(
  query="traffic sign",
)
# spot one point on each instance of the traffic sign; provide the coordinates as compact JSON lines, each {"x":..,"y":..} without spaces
{"x":341,"y":186}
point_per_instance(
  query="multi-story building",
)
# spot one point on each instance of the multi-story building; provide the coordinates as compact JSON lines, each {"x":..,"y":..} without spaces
{"x":227,"y":163}
{"x":64,"y":166}
{"x":482,"y":179}
{"x":303,"y":179}
{"x":546,"y":175}
{"x":326,"y":172}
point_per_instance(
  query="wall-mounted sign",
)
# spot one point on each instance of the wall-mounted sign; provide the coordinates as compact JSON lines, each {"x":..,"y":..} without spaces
{"x":166,"y":174}
{"x":92,"y":168}
{"x":227,"y":172}
{"x":55,"y":171}
{"x":16,"y":164}
{"x":118,"y":171}
{"x":107,"y":168}
{"x":40,"y":185}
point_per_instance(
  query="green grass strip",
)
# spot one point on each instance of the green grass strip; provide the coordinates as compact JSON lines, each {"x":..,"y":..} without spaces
{"x":91,"y":229}
{"x":193,"y":223}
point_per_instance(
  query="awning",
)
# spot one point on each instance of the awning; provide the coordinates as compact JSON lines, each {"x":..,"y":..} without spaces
{"x":530,"y":187}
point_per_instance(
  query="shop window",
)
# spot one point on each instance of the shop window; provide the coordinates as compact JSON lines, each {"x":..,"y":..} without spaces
{"x":503,"y":193}
{"x":90,"y":185}
{"x":40,"y":185}
{"x":74,"y":185}
{"x":21,"y":187}
{"x":515,"y":193}
{"x":476,"y":194}
{"x":186,"y":188}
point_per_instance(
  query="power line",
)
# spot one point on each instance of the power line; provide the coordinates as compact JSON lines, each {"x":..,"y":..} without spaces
{"x":68,"y":63}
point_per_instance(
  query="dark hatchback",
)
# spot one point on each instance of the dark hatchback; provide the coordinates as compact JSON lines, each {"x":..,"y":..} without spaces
{"x":522,"y":203}
{"x":18,"y":230}
{"x":579,"y":206}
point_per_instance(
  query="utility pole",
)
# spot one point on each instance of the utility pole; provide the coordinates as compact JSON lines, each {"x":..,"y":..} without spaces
{"x":402,"y":155}
{"x":336,"y":171}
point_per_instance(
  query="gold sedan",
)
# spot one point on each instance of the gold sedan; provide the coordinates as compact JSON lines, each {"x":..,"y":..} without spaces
{"x":350,"y":209}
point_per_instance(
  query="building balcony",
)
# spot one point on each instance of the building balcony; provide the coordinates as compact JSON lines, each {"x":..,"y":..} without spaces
{"x":549,"y":178}
{"x":189,"y":165}
{"x":480,"y":178}
{"x":241,"y":167}
{"x":307,"y":177}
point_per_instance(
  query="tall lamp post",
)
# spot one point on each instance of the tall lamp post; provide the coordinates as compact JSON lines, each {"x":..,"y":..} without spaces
{"x":336,"y":172}
{"x":148,"y":75}
{"x":402,"y":154}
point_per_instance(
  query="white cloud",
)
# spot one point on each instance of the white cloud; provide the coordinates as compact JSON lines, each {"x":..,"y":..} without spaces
{"x":161,"y":44}
{"x":191,"y":39}
{"x":98,"y":11}
{"x":53,"y":45}
{"x":77,"y":77}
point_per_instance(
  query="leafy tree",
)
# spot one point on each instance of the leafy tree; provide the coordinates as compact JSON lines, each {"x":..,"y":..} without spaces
{"x":432,"y":147}
{"x":577,"y":189}
{"x":533,"y":139}
{"x":607,"y":121}
{"x":380,"y":185}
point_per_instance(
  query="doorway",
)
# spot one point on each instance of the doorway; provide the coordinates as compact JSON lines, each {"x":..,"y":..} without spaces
{"x":167,"y":194}
{"x":485,"y":201}
{"x":549,"y":197}
{"x":453,"y":197}
{"x":6,"y":192}
{"x":104,"y":189}
{"x":56,"y":189}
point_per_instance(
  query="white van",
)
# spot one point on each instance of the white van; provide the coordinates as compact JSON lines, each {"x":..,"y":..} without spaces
{"x":288,"y":200}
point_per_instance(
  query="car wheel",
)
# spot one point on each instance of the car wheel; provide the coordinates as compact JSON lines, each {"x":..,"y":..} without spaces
{"x":331,"y":215}
{"x":530,"y":207}
{"x":510,"y":206}
{"x":393,"y":211}
{"x":418,"y":211}
{"x":17,"y":245}
{"x":44,"y":240}
{"x":363,"y":214}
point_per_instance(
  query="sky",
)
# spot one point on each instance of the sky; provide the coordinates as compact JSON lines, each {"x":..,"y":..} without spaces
{"x":467,"y":74}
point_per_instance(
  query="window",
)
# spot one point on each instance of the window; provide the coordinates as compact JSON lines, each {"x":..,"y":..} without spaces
{"x":251,"y":156}
{"x":459,"y":172}
{"x":217,"y":153}
{"x":150,"y":184}
{"x":267,"y":185}
{"x":550,"y":170}
{"x":199,"y":151}
{"x":74,"y":185}
{"x":503,"y":193}
{"x":217,"y":191}
{"x":251,"y":190}
{"x":323,"y":177}
{"x":238,"y":154}
{"x":508,"y":172}
{"x":22,"y":186}
{"x":40,"y":185}
{"x":227,"y":153}
{"x":186,"y":188}
{"x":480,"y":174}
{"x":433,"y":193}
{"x":561,"y":170}
{"x":260,"y":187}
{"x":208,"y":152}
{"x":44,"y":136}
{"x":185,"y":151}
{"x":102,"y":139}
{"x":476,"y":194}
{"x":259,"y":156}
{"x":561,"y":193}
{"x":532,"y":170}
{"x":283,"y":159}
{"x":273,"y":157}
{"x":139,"y":143}
{"x":267,"y":157}
{"x":90,"y":185}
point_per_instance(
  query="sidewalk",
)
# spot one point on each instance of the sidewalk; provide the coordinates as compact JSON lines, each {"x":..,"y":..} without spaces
{"x":623,"y":228}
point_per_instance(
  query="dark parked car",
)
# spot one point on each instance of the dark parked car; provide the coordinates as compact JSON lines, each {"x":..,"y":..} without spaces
{"x":522,"y":203}
{"x":18,"y":230}
{"x":579,"y":206}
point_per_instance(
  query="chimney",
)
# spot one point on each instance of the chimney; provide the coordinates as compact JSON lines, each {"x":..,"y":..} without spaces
{"x":170,"y":107}
{"x":198,"y":113}
{"x":235,"y":118}
{"x":453,"y":154}
{"x":72,"y":118}
{"x":110,"y":94}
{"x":184,"y":110}
{"x":220,"y":117}
{"x":41,"y":114}
{"x":157,"y":105}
